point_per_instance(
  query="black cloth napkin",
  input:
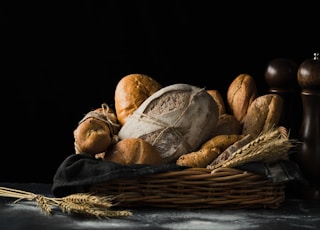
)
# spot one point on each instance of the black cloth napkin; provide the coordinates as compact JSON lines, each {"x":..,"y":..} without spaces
{"x":79,"y":171}
{"x":282,"y":170}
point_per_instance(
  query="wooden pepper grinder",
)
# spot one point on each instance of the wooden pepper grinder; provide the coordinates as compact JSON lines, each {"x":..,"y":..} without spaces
{"x":281,"y":77}
{"x":308,"y":155}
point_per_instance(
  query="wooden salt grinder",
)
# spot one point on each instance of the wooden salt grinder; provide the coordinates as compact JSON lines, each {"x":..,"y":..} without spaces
{"x":281,"y":77}
{"x":308,"y":155}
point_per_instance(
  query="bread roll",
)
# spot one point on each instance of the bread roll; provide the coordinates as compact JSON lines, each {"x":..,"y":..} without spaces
{"x":96,"y":131}
{"x":130,"y":92}
{"x":264,"y":113}
{"x":227,"y":125}
{"x":215,"y":94}
{"x":133,"y":151}
{"x":92,"y":136}
{"x":240,"y":94}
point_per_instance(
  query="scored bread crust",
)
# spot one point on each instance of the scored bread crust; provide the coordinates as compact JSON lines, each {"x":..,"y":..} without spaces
{"x":240,"y":94}
{"x":264,"y":113}
{"x":176,"y":119}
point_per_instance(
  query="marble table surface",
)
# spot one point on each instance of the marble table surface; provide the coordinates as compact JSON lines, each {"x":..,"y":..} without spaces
{"x":293,"y":214}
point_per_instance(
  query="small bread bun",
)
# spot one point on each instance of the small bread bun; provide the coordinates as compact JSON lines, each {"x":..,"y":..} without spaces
{"x":92,"y":136}
{"x":228,"y":125}
{"x":215,"y":94}
{"x":264,"y":113}
{"x":96,"y":131}
{"x":131,"y":91}
{"x":241,"y":92}
{"x":133,"y":151}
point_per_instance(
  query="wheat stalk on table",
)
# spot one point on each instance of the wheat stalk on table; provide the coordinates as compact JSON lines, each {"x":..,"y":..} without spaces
{"x":79,"y":203}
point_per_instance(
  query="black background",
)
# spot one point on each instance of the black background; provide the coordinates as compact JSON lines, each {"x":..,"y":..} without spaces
{"x":61,"y":60}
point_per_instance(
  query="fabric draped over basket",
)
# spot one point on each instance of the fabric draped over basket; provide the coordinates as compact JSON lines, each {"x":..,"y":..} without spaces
{"x":169,"y":185}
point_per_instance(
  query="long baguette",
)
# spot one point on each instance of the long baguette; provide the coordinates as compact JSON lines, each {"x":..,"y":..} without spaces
{"x":198,"y":159}
{"x":208,"y":151}
{"x":221,"y":141}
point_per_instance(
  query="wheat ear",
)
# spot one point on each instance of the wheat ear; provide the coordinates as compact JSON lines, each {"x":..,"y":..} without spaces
{"x":271,"y":145}
{"x":80,"y":203}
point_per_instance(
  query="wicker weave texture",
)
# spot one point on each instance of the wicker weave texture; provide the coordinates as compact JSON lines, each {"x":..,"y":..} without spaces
{"x":196,"y":188}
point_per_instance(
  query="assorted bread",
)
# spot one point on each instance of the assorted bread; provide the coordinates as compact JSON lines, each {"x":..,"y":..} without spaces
{"x":166,"y":120}
{"x":179,"y":123}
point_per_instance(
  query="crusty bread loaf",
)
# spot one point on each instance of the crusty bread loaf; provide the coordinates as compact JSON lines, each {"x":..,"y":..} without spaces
{"x":215,"y":94}
{"x":263,"y":113}
{"x":133,"y":151}
{"x":96,"y":131}
{"x":227,"y":125}
{"x":131,"y":91}
{"x":176,"y":119}
{"x":241,"y":92}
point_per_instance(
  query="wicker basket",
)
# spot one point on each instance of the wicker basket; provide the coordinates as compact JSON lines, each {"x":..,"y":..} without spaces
{"x":222,"y":188}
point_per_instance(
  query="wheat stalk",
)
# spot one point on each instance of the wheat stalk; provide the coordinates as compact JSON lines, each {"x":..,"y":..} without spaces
{"x":268,"y":152}
{"x":272,"y":145}
{"x":79,"y":203}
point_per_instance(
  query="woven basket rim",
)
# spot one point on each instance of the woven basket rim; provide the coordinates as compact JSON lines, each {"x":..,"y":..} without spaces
{"x":223,"y":188}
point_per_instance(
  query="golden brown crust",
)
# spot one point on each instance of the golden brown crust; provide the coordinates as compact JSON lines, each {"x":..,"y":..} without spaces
{"x":131,"y":91}
{"x":96,"y":131}
{"x":216,"y":96}
{"x":241,"y":92}
{"x":264,"y":113}
{"x":133,"y":151}
{"x":198,"y":159}
{"x":92,"y":136}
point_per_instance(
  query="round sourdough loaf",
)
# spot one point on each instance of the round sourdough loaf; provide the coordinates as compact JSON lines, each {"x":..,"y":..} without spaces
{"x":176,"y":120}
